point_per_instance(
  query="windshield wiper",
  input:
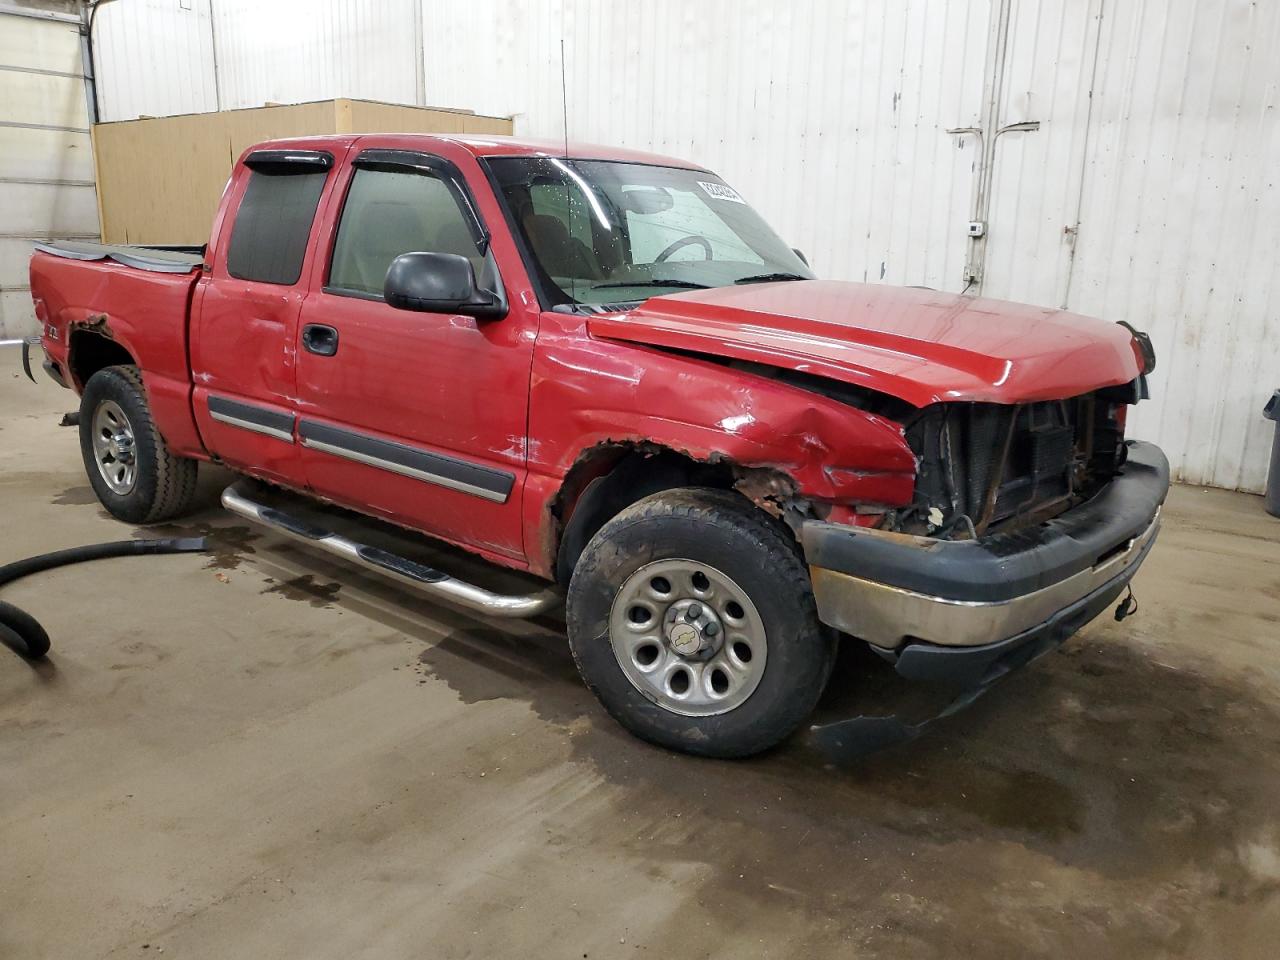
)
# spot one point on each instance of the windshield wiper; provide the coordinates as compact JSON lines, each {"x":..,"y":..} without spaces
{"x":687,"y":284}
{"x":770,"y":277}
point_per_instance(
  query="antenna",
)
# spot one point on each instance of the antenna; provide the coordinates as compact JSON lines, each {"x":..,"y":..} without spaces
{"x":564,"y":115}
{"x":564,"y":93}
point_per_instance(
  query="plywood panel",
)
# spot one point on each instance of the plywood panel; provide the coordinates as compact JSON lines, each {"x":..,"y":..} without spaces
{"x":27,"y":153}
{"x":370,"y":117}
{"x":161,"y":179}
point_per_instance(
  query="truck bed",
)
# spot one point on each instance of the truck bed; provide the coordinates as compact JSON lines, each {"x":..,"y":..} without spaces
{"x":131,"y":302}
{"x":163,"y":259}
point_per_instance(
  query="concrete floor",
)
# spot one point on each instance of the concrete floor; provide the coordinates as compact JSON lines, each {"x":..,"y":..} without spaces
{"x":257,"y":753}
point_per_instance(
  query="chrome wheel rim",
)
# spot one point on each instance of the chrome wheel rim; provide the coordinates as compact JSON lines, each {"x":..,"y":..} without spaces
{"x":688,"y":637}
{"x":113,"y":447}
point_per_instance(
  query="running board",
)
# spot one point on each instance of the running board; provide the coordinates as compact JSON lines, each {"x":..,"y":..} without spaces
{"x":425,"y":580}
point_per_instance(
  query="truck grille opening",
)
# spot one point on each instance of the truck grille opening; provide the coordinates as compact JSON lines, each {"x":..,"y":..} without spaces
{"x":987,"y":467}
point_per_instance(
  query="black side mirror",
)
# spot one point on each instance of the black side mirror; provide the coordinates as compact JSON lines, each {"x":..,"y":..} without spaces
{"x":439,"y":283}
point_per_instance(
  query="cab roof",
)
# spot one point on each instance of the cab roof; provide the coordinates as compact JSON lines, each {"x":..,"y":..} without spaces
{"x":483,"y":145}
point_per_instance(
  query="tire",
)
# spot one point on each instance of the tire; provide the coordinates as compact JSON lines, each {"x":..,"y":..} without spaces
{"x":665,"y":540}
{"x":162,"y":485}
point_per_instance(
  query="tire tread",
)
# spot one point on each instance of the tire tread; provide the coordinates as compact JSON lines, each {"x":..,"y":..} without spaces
{"x":175,"y":477}
{"x":735,"y":514}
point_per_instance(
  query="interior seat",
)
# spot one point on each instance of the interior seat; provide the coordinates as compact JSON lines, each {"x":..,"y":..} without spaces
{"x":561,"y":254}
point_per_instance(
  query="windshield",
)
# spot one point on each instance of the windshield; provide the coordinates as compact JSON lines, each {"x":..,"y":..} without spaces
{"x":607,"y":232}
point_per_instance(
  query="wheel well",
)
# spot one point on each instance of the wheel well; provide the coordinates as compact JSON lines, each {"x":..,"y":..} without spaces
{"x":611,"y":477}
{"x":90,"y":352}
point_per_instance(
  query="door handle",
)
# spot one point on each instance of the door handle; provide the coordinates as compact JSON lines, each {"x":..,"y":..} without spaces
{"x":320,"y":339}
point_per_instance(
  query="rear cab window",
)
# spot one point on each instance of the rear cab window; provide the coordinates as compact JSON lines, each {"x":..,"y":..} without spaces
{"x":273,"y":222}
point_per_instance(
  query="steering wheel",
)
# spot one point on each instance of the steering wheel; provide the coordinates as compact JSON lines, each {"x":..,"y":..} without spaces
{"x":684,"y":242}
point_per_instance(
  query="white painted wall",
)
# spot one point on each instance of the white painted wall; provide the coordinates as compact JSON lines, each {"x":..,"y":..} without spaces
{"x":1148,"y":193}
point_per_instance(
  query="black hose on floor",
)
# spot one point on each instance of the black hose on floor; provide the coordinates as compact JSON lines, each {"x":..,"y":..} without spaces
{"x":22,"y":632}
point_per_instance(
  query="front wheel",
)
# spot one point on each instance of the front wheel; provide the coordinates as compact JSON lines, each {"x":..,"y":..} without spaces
{"x":131,"y":470}
{"x":692,"y":619}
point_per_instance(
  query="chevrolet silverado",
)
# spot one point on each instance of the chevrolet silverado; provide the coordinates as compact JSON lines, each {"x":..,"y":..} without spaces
{"x":603,"y":368}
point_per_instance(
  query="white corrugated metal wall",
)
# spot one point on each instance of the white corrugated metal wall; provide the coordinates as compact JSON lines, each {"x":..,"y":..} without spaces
{"x":289,"y":51}
{"x":164,"y":57}
{"x":1147,"y":193}
{"x":1180,"y":220}
{"x":154,"y":58}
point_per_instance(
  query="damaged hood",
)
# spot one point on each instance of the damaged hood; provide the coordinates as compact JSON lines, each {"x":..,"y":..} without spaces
{"x":921,"y":346}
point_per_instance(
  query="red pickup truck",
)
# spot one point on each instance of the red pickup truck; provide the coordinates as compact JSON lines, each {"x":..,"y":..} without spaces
{"x":604,"y":368}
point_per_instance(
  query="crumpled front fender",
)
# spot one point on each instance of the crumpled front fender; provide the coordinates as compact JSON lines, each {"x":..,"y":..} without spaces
{"x":587,"y":393}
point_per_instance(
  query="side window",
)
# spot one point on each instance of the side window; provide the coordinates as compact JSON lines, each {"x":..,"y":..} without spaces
{"x":272,"y":225}
{"x":388,"y":213}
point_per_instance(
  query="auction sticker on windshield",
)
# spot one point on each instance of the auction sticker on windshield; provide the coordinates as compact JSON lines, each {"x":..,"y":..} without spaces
{"x":720,"y":191}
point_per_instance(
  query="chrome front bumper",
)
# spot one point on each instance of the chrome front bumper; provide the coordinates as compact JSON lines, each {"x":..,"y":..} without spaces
{"x":887,"y":616}
{"x":897,"y":591}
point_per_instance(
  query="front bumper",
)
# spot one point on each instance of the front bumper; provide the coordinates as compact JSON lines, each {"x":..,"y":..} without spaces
{"x":916,"y":599}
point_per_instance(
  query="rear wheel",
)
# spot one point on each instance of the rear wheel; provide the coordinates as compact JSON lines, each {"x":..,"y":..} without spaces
{"x":692,"y":620}
{"x":131,"y":470}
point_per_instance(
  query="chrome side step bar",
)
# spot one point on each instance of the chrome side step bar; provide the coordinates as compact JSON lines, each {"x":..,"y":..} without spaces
{"x":425,"y":580}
